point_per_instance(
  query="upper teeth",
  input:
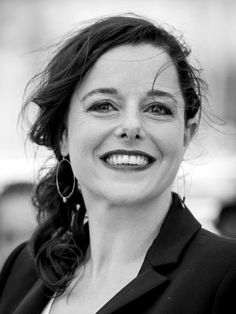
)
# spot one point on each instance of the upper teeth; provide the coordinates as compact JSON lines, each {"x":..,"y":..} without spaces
{"x":127,"y":159}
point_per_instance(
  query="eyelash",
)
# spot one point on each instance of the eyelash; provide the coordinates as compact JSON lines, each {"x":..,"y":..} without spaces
{"x":167,"y":110}
{"x":95,"y":107}
{"x":161,"y":106}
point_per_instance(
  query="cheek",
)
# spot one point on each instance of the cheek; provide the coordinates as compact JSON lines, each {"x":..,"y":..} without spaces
{"x":169,"y":139}
{"x":85,"y":137}
{"x":175,"y":142}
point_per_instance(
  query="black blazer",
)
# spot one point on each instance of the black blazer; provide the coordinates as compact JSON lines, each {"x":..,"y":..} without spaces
{"x":187,"y":270}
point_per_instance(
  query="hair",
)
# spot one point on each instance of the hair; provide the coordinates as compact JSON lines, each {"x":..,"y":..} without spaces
{"x":58,"y":247}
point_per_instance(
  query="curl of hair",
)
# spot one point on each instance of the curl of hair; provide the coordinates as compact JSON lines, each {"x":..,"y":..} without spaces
{"x":56,"y":254}
{"x":57,"y":246}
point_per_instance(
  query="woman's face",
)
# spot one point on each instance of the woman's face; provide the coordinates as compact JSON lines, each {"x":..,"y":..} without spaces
{"x":125,"y":134}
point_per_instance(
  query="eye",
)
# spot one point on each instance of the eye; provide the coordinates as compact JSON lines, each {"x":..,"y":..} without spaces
{"x":102,"y":107}
{"x":160,"y":109}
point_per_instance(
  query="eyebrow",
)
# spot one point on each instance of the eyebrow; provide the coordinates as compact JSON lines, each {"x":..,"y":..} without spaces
{"x":160,"y":93}
{"x":104,"y":90}
{"x":113,"y":91}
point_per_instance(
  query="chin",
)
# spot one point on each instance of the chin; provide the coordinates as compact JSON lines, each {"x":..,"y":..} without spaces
{"x":125,"y":200}
{"x":127,"y":196}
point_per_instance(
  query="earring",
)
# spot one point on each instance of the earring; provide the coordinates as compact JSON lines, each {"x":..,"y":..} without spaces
{"x":73,"y":216}
{"x":75,"y":212}
{"x":64,"y":197}
{"x":183,"y":185}
{"x":86,"y":218}
{"x":79,"y":188}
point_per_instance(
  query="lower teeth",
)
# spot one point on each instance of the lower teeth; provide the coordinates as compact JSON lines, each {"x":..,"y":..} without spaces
{"x":126,"y":164}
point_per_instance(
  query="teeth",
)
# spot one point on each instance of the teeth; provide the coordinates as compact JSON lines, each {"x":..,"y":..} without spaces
{"x":133,"y":160}
{"x":127,"y":160}
{"x":119,"y":159}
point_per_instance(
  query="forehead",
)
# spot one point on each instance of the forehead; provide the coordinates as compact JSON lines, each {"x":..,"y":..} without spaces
{"x":136,"y":65}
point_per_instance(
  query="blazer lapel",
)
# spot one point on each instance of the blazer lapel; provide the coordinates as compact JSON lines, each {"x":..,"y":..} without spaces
{"x":35,"y":300}
{"x":178,"y":228}
{"x":142,"y":284}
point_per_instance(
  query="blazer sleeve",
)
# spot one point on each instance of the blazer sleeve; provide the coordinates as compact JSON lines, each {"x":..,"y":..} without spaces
{"x":17,"y":277}
{"x":226,"y":293}
{"x":6,"y":269}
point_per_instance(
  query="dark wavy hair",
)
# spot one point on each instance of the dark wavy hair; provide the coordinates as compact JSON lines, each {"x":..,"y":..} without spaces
{"x":57,"y":245}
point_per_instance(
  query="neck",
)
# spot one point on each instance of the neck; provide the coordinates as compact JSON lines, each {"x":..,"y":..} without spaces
{"x":121,"y":234}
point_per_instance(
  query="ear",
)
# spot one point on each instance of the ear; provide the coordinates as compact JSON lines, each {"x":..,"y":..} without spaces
{"x":190,"y":131}
{"x":64,"y":146}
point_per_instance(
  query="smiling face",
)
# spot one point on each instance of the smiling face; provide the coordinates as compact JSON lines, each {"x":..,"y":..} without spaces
{"x":125,"y":133}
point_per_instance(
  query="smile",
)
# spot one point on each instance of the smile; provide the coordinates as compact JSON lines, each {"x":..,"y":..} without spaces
{"x":127,"y":160}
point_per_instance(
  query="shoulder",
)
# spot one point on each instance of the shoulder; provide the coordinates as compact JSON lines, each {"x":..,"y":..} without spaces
{"x":214,"y":244}
{"x":18,"y":266}
{"x":213,"y":256}
{"x":12,"y":257}
{"x":219,"y":255}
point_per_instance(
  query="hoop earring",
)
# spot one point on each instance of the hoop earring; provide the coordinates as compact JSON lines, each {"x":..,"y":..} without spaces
{"x":64,"y":197}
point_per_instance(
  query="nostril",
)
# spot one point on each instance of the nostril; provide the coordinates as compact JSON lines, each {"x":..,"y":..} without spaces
{"x":129,"y":133}
{"x":124,"y":135}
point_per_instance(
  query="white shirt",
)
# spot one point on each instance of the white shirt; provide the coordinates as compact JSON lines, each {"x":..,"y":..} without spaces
{"x":48,"y":307}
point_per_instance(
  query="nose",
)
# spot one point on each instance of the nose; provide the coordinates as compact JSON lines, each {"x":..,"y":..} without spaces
{"x":130,"y":128}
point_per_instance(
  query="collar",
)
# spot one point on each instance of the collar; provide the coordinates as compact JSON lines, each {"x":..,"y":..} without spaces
{"x":177,"y":230}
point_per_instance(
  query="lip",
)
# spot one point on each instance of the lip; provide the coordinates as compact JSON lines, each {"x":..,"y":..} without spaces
{"x":127,"y":168}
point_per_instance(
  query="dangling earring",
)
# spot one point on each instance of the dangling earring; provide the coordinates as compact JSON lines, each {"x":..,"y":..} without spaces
{"x":79,"y":188}
{"x":73,"y":217}
{"x":64,"y":197}
{"x":183,"y":186}
{"x":86,"y":218}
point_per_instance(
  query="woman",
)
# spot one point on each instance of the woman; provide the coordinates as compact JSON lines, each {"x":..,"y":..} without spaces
{"x":119,"y":104}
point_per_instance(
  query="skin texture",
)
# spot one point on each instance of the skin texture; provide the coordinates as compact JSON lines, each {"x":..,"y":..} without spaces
{"x":93,"y":131}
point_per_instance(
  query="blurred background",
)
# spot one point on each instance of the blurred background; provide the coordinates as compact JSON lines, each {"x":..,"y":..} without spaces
{"x":207,"y":177}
